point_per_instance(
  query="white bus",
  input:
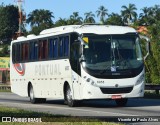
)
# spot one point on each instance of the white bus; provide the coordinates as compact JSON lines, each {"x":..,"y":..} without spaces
{"x":78,"y":62}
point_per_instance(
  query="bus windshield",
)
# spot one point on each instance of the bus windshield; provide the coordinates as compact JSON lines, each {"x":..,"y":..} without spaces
{"x":112,"y":53}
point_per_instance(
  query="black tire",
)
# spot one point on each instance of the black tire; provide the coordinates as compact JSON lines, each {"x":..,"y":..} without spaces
{"x":41,"y":100}
{"x":33,"y":100}
{"x":121,"y":102}
{"x":69,"y":97}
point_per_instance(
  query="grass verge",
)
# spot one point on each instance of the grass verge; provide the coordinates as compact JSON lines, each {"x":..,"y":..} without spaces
{"x":47,"y":118}
{"x":5,"y":90}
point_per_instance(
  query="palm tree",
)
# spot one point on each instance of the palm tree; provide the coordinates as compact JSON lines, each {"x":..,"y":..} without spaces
{"x":156,"y":12}
{"x":129,"y":13}
{"x":61,"y":22}
{"x":89,"y":17}
{"x":114,"y":19}
{"x":146,"y":16}
{"x":75,"y":19}
{"x":38,"y":17}
{"x":102,"y":12}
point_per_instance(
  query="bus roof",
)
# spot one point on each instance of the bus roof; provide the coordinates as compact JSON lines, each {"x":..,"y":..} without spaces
{"x":96,"y":29}
{"x":80,"y":29}
{"x":105,"y":29}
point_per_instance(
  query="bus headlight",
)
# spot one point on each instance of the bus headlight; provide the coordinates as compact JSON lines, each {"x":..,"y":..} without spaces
{"x":90,"y":81}
{"x":140,"y":80}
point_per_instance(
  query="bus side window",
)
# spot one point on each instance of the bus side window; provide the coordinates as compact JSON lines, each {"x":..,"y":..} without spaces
{"x":51,"y":43}
{"x":63,"y":46}
{"x":40,"y":50}
{"x":45,"y":49}
{"x":60,"y":47}
{"x":66,"y":46}
{"x":31,"y":51}
{"x":25,"y":51}
{"x":13,"y":53}
{"x":17,"y":53}
{"x":55,"y":48}
{"x":35,"y":51}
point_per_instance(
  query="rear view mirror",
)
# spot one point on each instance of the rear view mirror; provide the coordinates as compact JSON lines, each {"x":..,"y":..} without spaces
{"x":147,"y":45}
{"x":82,"y":59}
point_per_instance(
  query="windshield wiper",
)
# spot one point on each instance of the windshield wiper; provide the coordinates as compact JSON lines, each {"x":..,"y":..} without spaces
{"x":124,"y":63}
{"x":105,"y":70}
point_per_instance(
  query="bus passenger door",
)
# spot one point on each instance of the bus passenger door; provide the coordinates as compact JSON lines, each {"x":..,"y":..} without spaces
{"x":76,"y":73}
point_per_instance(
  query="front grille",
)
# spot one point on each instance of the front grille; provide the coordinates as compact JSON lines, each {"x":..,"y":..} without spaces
{"x":116,"y":90}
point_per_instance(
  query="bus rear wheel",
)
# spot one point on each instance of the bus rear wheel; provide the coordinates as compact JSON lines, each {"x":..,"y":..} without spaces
{"x":69,"y":97}
{"x":121,"y":102}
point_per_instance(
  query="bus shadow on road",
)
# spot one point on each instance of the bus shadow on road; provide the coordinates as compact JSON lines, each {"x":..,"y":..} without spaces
{"x":140,"y":102}
{"x":111,"y":103}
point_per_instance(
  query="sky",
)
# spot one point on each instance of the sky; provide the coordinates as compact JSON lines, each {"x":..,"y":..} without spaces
{"x":65,"y":8}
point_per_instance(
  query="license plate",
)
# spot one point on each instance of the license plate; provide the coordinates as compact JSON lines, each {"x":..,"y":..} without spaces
{"x":116,"y":96}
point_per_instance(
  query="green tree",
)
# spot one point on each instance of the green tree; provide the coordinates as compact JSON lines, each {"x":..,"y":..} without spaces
{"x":156,"y":12}
{"x":75,"y":19}
{"x":129,"y":14}
{"x":154,"y":30}
{"x":39,"y":20}
{"x":9,"y":18}
{"x":114,"y":19}
{"x":146,"y":17}
{"x":61,"y":22}
{"x":37,"y":29}
{"x":89,"y":17}
{"x":102,"y":12}
{"x":5,"y":51}
{"x":38,"y":17}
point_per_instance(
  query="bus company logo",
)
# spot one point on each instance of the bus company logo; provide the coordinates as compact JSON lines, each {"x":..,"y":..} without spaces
{"x":20,"y":68}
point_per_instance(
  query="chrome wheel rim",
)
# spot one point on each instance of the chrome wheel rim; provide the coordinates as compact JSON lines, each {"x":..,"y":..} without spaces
{"x":31,"y":93}
{"x":69,"y":95}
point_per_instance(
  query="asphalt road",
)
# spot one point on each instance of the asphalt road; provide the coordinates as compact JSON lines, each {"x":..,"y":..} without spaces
{"x":135,"y":107}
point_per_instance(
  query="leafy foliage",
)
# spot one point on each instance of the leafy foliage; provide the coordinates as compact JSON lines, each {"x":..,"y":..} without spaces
{"x":75,"y":19}
{"x":61,"y":22}
{"x":153,"y":61}
{"x":38,"y":17}
{"x":102,"y":12}
{"x":8,"y":22}
{"x":89,"y":17}
{"x":40,"y":20}
{"x":4,"y":52}
{"x":129,"y":14}
{"x":114,"y":19}
{"x":151,"y":17}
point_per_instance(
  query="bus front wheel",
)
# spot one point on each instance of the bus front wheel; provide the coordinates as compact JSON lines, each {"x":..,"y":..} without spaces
{"x":121,"y":102}
{"x":69,"y":97}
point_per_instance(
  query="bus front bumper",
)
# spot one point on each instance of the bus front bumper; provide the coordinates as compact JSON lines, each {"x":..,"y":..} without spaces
{"x":94,"y":92}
